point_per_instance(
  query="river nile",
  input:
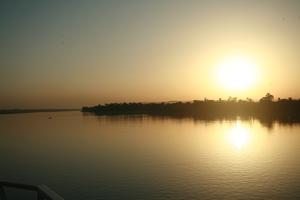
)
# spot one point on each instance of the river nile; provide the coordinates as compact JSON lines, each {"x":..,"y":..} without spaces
{"x":85,"y":157}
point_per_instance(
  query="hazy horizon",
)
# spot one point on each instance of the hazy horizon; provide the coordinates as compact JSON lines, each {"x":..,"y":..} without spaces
{"x":63,"y":54}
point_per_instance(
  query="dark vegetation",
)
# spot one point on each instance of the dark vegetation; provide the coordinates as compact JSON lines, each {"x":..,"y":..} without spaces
{"x":265,"y":109}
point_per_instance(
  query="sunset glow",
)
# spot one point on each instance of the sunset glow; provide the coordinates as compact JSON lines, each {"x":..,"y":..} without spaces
{"x":97,"y":52}
{"x":150,"y":99}
{"x":237,"y":73}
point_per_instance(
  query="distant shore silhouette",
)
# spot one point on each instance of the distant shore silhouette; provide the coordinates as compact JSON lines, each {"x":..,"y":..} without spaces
{"x":17,"y":111}
{"x":265,"y":109}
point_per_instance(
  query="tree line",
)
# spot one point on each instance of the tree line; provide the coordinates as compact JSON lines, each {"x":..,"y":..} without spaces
{"x":266,"y":108}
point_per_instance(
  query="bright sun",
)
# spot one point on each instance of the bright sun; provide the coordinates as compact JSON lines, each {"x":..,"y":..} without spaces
{"x":237,"y":73}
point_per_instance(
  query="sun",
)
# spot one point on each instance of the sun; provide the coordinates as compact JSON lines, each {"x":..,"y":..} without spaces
{"x":237,"y":73}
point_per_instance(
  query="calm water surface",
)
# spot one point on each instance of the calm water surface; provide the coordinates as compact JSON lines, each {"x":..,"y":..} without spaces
{"x":139,"y":157}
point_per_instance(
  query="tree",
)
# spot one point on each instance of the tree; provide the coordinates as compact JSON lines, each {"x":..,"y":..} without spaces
{"x":267,"y":98}
{"x":249,"y":100}
{"x":232,"y":99}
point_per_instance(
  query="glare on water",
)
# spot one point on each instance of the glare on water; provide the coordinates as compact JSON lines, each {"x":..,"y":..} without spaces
{"x":143,"y":157}
{"x":238,"y":136}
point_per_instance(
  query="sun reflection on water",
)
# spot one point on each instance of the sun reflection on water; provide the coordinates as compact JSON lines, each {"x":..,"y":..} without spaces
{"x":239,"y":136}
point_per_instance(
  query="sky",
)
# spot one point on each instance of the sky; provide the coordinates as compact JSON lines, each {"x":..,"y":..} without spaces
{"x":65,"y":54}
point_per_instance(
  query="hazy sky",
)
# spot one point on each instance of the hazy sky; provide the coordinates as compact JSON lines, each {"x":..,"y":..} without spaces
{"x":74,"y":53}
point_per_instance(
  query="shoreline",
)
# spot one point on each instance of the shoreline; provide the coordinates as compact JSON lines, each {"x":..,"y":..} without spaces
{"x":20,"y":111}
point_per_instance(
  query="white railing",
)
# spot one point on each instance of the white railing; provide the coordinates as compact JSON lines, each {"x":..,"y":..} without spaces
{"x":43,"y":192}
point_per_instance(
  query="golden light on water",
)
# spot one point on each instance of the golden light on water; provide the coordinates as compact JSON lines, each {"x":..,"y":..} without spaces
{"x":238,"y":136}
{"x":237,"y":73}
